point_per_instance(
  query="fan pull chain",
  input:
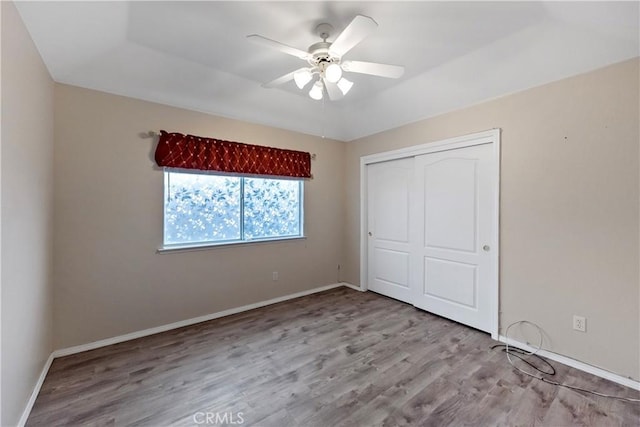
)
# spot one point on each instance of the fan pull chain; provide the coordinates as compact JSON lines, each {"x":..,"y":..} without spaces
{"x":324,"y":118}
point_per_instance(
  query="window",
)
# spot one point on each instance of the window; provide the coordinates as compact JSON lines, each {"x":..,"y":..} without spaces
{"x":202,"y":209}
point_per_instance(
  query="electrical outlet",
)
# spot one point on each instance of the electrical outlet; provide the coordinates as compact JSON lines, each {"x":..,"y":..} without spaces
{"x":579,"y":323}
{"x":275,"y":276}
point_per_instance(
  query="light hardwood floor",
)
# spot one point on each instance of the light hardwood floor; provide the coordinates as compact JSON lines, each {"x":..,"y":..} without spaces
{"x":338,"y":358}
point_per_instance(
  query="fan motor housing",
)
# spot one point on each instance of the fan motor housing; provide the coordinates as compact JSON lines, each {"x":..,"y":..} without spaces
{"x":320,"y":56}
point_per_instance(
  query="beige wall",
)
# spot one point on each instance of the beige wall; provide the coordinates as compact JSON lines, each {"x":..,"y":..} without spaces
{"x":109,"y":280}
{"x":569,"y":208}
{"x":27,"y":189}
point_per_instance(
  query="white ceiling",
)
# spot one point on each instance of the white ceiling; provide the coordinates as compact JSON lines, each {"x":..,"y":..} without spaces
{"x":195,"y":54}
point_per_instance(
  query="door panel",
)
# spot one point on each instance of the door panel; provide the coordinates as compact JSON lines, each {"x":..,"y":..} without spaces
{"x":451,"y":281}
{"x":391,"y":200}
{"x":389,"y":193}
{"x":450,"y":194}
{"x":453,"y":217}
{"x":392,"y":266}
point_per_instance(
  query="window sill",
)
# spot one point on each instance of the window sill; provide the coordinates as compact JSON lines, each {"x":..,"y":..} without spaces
{"x":208,"y":246}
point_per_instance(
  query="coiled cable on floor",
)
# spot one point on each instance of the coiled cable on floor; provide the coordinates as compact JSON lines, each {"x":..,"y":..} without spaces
{"x":510,"y":350}
{"x":520,"y":354}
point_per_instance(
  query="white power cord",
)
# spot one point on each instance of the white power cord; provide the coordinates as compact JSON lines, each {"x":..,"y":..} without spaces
{"x":535,"y":351}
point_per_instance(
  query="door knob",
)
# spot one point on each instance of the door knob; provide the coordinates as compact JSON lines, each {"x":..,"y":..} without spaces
{"x":370,"y":234}
{"x":486,"y":248}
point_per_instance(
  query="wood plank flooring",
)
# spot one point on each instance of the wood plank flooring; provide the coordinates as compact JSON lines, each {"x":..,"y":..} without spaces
{"x":338,"y":358}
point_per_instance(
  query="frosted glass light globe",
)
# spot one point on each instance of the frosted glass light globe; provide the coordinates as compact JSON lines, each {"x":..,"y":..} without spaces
{"x":333,"y":73}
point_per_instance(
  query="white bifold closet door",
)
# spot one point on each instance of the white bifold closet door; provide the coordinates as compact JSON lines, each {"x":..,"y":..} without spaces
{"x":452,"y":262}
{"x":389,"y":194}
{"x":430,"y":224}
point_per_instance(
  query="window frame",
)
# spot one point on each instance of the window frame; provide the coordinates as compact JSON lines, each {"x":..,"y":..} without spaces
{"x":172,"y":247}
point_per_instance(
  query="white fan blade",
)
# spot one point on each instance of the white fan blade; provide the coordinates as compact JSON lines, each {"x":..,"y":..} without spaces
{"x":278,"y":46}
{"x":281,"y":80}
{"x":373,"y":68}
{"x":356,"y":31}
{"x":333,"y":90}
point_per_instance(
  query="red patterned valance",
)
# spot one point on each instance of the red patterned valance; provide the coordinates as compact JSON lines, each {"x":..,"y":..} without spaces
{"x":176,"y":150}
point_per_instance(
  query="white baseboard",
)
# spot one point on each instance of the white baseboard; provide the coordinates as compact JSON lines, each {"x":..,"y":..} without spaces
{"x":35,"y":392}
{"x":354,"y":287}
{"x":175,"y":325}
{"x":599,"y":372}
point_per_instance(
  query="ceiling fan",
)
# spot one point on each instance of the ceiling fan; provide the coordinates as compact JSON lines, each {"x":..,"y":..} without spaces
{"x":325,"y":60}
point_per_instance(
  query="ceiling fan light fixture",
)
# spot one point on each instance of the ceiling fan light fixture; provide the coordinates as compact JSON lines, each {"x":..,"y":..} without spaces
{"x":344,"y":85}
{"x":333,"y":73}
{"x":302,"y":77}
{"x":325,"y":65}
{"x":316,"y":91}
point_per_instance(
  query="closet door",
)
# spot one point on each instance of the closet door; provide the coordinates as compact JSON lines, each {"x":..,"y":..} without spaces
{"x":453,"y":262}
{"x":389,"y":188}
